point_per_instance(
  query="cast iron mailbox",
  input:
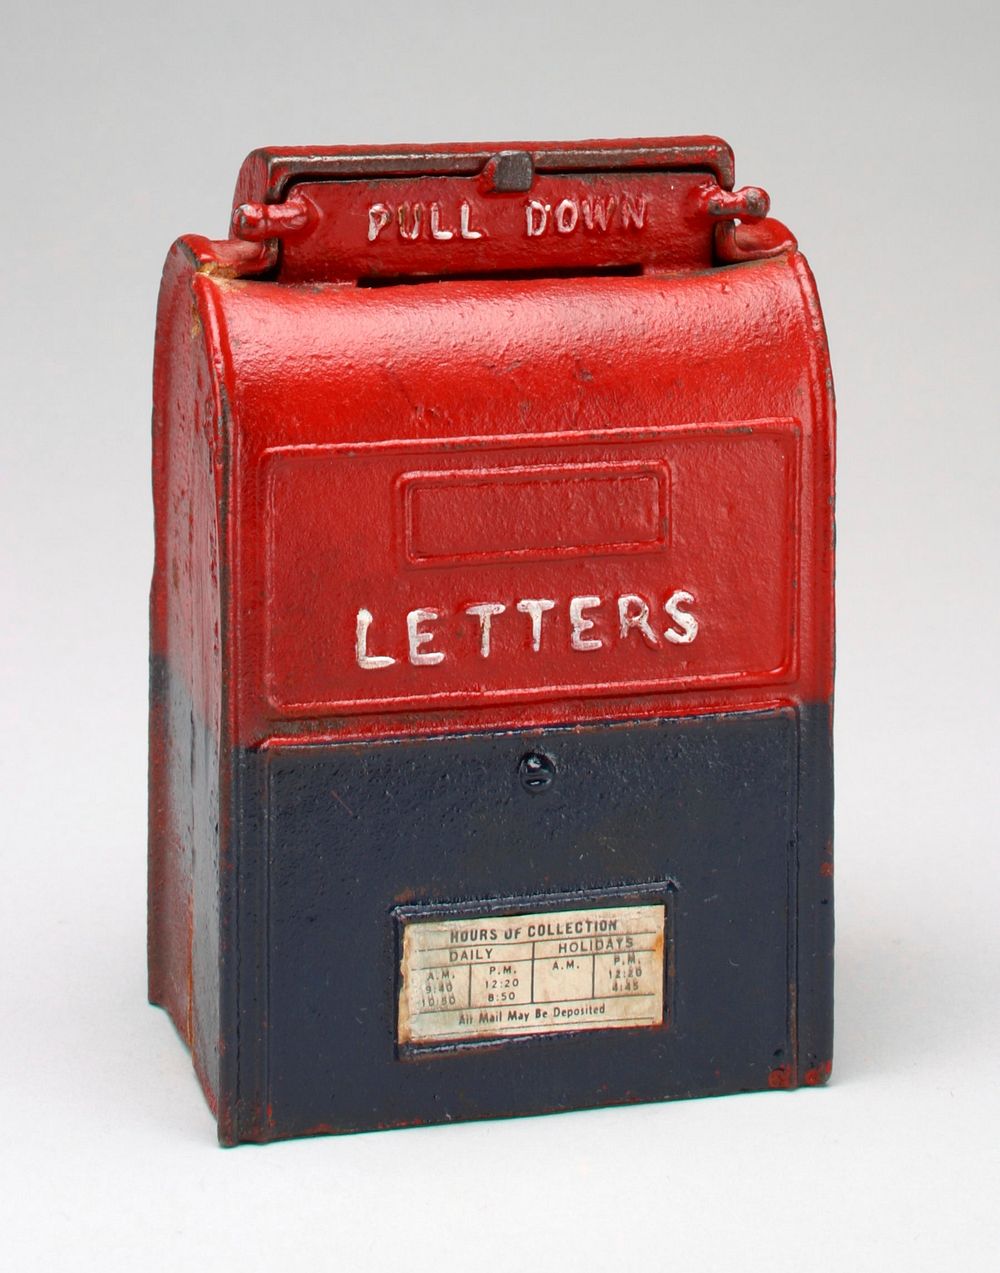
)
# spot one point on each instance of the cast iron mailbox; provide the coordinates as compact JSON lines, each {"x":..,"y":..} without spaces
{"x":490,"y":763}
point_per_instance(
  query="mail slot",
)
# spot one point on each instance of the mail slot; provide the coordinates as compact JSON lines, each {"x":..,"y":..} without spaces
{"x":491,"y":638}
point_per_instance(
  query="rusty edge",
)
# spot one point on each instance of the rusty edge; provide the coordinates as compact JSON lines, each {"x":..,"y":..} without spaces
{"x":267,"y":173}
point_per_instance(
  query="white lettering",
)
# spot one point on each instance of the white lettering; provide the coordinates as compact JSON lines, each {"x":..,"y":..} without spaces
{"x":633,"y":615}
{"x":485,"y":611}
{"x":409,"y":227}
{"x":633,"y":612}
{"x":536,"y":216}
{"x":379,"y":217}
{"x":535,"y":607}
{"x":597,"y":212}
{"x":365,"y":659}
{"x":465,"y":229}
{"x":417,"y":638}
{"x":687,"y":622}
{"x":436,"y":230}
{"x":566,"y":215}
{"x":633,"y":211}
{"x":580,"y":625}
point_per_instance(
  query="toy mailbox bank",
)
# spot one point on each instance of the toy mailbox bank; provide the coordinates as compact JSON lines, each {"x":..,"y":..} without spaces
{"x":491,"y":638}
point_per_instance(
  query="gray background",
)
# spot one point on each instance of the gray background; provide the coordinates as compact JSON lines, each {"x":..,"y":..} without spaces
{"x":874,"y":127}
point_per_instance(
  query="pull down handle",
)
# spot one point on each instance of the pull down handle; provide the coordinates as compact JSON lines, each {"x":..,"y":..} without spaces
{"x":387,"y":215}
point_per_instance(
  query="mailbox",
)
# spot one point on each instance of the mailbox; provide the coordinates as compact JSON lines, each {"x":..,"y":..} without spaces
{"x":491,"y":669}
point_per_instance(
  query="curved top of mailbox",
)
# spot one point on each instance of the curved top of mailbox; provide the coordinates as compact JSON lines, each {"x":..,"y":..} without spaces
{"x":268,"y":173}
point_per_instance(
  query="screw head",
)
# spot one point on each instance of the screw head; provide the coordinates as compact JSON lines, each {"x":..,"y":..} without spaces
{"x":536,"y":771}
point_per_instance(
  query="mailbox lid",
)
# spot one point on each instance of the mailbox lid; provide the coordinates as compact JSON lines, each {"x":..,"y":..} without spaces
{"x":269,"y":172}
{"x":391,"y":442}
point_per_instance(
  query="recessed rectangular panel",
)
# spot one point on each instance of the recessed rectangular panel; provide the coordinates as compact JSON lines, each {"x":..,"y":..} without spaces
{"x":464,"y":572}
{"x":534,"y":512}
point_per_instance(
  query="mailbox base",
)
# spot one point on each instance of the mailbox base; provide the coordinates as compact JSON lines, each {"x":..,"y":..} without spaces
{"x":725,"y":818}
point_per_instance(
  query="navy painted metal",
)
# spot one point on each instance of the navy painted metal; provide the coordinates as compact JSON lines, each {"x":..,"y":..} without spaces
{"x":725,"y":815}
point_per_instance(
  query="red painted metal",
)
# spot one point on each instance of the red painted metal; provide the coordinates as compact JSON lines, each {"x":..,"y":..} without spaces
{"x":600,"y":380}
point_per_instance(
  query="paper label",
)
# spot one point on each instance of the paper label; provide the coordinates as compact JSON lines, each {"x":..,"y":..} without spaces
{"x":495,"y":976}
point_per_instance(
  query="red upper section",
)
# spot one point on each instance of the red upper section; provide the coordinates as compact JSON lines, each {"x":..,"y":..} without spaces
{"x":486,"y":501}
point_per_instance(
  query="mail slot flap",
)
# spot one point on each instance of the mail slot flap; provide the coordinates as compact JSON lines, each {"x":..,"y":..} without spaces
{"x":403,"y":213}
{"x":401,"y":229}
{"x":524,"y":569}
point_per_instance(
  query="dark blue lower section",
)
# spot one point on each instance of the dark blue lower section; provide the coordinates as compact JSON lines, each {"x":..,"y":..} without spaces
{"x":730,"y":814}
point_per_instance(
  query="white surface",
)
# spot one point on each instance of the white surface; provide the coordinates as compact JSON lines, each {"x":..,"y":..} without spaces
{"x":875,"y":129}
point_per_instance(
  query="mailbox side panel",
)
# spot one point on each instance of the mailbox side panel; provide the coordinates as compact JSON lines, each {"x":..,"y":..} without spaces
{"x":185,"y":712}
